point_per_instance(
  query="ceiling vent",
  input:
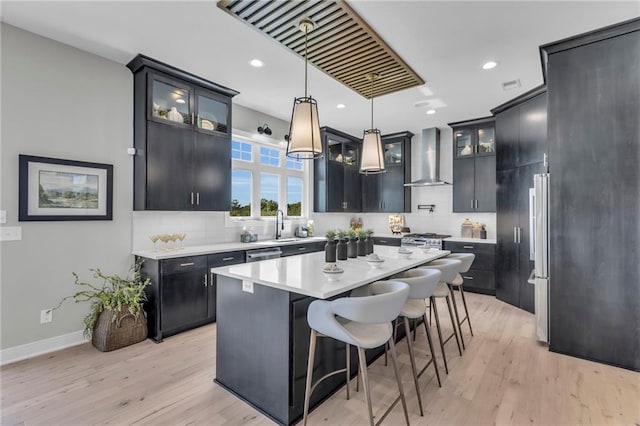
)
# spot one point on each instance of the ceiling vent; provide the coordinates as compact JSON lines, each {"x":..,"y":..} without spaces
{"x":342,"y":44}
{"x":510,"y":85}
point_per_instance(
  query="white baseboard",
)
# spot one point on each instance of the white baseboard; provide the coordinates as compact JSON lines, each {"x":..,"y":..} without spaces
{"x":29,"y":350}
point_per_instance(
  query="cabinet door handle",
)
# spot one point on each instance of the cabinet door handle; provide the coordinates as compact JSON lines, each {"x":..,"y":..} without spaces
{"x":205,"y":279}
{"x":226,"y":259}
{"x":519,"y":235}
{"x":467,"y":277}
{"x":197,"y":198}
{"x":187,"y":264}
{"x":211,"y":279}
{"x":476,"y":202}
{"x":467,"y":247}
{"x":192,"y":198}
{"x":515,"y":234}
{"x":472,"y":204}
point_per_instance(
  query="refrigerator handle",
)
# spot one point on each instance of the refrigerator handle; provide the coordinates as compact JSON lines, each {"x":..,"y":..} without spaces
{"x":532,"y":223}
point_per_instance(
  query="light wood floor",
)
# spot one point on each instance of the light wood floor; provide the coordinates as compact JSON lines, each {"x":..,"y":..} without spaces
{"x":504,"y":377}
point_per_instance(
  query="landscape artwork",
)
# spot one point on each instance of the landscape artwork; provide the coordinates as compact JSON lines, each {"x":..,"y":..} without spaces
{"x":67,"y":190}
{"x":61,"y":189}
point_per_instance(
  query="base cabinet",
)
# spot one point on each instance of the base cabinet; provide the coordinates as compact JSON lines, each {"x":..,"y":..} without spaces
{"x":481,"y":277}
{"x":387,"y":241}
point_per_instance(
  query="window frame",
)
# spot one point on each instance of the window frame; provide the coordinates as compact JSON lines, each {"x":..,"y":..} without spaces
{"x":282,"y":171}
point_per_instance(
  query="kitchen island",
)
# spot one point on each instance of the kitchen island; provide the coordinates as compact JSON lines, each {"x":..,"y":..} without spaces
{"x":262,"y":338}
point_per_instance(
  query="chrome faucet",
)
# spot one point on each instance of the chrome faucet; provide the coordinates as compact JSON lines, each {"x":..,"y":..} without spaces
{"x":279,"y":226}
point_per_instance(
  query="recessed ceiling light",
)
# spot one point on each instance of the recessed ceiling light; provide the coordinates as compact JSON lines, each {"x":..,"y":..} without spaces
{"x":431,"y":111}
{"x":256,"y":63}
{"x":341,"y":106}
{"x":489,"y":65}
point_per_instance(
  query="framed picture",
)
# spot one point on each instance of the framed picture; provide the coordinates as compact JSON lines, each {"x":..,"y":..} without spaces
{"x":55,"y":189}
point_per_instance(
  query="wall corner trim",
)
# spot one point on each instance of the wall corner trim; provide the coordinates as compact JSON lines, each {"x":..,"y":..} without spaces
{"x":30,"y":350}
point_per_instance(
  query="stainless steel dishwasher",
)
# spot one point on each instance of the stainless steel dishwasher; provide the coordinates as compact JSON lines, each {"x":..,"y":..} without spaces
{"x":263,"y":254}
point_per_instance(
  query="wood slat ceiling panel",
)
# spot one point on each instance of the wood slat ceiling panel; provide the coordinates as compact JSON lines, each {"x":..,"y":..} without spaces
{"x":342,"y":45}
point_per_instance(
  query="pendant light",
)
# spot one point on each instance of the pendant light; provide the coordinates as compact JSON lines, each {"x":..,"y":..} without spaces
{"x":304,"y":134}
{"x":372,"y":157}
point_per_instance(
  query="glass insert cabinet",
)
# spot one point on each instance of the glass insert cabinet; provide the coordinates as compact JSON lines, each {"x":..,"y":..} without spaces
{"x":175,"y":103}
{"x":477,"y":140}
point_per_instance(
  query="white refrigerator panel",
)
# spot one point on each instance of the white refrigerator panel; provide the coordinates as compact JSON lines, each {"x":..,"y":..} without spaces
{"x":542,"y":309}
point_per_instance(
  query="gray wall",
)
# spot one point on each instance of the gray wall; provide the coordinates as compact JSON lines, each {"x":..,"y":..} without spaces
{"x":60,"y":102}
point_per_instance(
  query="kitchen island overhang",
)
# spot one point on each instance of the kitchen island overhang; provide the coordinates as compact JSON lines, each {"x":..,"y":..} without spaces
{"x":262,"y":332}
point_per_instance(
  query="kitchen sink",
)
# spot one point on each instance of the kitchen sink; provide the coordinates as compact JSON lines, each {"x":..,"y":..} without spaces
{"x":280,"y":240}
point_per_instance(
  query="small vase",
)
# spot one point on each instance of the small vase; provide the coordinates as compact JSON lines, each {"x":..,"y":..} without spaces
{"x":362,"y":247}
{"x":369,"y":242}
{"x":330,"y":252}
{"x":352,"y":249}
{"x":341,"y":248}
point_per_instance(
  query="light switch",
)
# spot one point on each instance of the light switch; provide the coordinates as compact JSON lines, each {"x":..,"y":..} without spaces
{"x":3,"y":216}
{"x":10,"y":233}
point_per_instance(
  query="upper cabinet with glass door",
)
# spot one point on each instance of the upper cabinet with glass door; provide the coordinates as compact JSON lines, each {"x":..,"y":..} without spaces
{"x":476,"y":139}
{"x":176,"y":103}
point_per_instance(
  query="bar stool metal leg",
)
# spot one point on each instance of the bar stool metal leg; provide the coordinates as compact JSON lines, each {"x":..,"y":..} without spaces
{"x":435,"y":312}
{"x":433,"y":353}
{"x":412,"y":357}
{"x":455,"y":310}
{"x":466,"y":311}
{"x":307,"y":391}
{"x":394,"y":359}
{"x":362,"y":360}
{"x":453,"y":324}
{"x":348,"y":367}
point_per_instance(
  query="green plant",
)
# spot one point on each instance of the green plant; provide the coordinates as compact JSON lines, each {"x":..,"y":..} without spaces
{"x":362,"y":234}
{"x":369,"y":232}
{"x":115,"y":294}
{"x":352,"y":234}
{"x":331,"y":235}
{"x":341,"y":234}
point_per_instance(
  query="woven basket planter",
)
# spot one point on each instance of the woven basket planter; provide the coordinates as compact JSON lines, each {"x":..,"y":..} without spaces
{"x":117,"y":330}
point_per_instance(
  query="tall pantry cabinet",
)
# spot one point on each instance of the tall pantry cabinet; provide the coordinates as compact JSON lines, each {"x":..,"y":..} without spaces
{"x":593,"y":83}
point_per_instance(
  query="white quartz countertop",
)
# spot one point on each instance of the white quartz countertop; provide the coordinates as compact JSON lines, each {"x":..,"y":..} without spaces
{"x":221,"y":248}
{"x":303,"y":274}
{"x":471,"y":240}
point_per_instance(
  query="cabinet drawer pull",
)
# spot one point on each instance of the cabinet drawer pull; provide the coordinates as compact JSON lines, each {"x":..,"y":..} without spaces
{"x":226,"y":259}
{"x":383,"y":241}
{"x":302,"y":248}
{"x":187,"y":264}
{"x":467,"y":247}
{"x":467,"y":277}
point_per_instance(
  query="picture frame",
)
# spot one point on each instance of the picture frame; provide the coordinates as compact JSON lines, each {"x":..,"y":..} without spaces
{"x":53,"y":189}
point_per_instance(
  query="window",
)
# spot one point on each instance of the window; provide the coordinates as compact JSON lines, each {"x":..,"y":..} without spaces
{"x":273,"y":181}
{"x":269,"y":157}
{"x":241,"y":192}
{"x":269,"y":194}
{"x":241,"y":151}
{"x":294,"y":196}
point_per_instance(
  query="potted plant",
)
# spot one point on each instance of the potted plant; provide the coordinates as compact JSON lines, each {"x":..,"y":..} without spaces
{"x":362,"y":245}
{"x":116,"y":316}
{"x":352,"y":248}
{"x":369,"y":240}
{"x":330,"y":247}
{"x":342,"y":245}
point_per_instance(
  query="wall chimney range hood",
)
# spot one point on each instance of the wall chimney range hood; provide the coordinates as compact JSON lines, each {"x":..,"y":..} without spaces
{"x":429,"y":158}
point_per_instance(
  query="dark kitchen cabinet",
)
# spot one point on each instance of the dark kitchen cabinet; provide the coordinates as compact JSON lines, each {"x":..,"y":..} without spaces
{"x":302,"y":248}
{"x":480,"y":278}
{"x":385,"y":192}
{"x":594,"y":183}
{"x":182,"y":294}
{"x":337,"y":186}
{"x":474,"y":166}
{"x":521,"y":145}
{"x":182,"y":136}
{"x":387,"y":241}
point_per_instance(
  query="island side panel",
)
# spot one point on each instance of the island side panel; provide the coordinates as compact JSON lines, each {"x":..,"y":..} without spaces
{"x":252,"y":348}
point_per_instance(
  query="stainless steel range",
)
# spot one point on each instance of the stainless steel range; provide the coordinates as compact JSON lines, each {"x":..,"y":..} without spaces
{"x":429,"y":239}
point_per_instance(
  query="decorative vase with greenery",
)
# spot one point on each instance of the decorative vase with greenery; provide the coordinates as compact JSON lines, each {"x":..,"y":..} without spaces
{"x":330,"y":247}
{"x":369,"y":240}
{"x":116,"y":316}
{"x":341,"y":248}
{"x":352,"y":247}
{"x":362,"y":245}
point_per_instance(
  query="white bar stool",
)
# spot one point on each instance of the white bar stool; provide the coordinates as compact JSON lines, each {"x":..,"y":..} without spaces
{"x":422,"y":283}
{"x":449,"y":269}
{"x":364,"y":322}
{"x":467,"y":260}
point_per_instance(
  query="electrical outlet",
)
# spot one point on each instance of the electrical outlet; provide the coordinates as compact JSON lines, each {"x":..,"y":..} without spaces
{"x":46,"y":315}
